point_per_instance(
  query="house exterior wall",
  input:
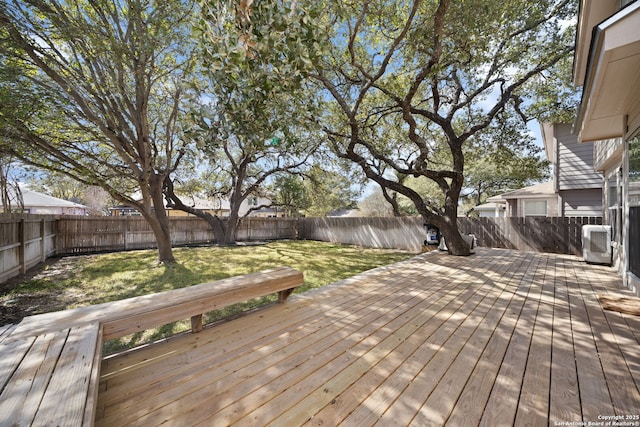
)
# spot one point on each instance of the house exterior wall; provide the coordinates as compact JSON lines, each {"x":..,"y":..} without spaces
{"x":54,"y":210}
{"x":574,"y":164}
{"x":606,"y":66}
{"x":491,"y":213}
{"x":607,"y":154}
{"x":252,"y":202}
{"x":619,"y":200}
{"x":587,"y":202}
{"x":179,"y":213}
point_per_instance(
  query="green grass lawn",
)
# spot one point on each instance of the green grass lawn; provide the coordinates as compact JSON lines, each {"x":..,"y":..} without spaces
{"x":114,"y":276}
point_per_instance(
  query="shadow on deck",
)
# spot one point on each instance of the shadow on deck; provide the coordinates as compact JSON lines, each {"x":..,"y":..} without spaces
{"x":498,"y":338}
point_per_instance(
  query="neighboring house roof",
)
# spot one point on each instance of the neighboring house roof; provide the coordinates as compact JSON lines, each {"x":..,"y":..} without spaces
{"x":490,"y":206}
{"x":497,"y":199}
{"x":34,"y":199}
{"x":544,"y":189}
{"x":343,"y":213}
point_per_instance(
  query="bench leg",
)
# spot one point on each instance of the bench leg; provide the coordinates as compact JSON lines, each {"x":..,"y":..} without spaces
{"x":283,"y":295}
{"x":196,"y":323}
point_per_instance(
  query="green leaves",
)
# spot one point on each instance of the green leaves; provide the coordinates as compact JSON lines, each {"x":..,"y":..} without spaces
{"x":268,"y":42}
{"x":100,"y":84}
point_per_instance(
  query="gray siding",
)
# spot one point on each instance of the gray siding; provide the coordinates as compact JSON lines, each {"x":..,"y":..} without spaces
{"x":606,"y":152}
{"x":575,"y":162}
{"x":582,"y":202}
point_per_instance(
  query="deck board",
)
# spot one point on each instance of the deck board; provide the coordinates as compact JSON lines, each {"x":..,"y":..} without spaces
{"x":589,"y":368}
{"x":498,"y":338}
{"x":502,"y":406}
{"x":564,"y":395}
{"x":49,"y":379}
{"x":427,"y":341}
{"x":474,"y":397}
{"x":616,"y":349}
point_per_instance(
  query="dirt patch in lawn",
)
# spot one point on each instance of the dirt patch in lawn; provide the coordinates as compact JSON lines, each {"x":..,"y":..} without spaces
{"x":18,"y":300}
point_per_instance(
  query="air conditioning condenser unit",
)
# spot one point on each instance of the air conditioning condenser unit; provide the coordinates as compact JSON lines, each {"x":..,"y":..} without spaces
{"x":596,"y":243}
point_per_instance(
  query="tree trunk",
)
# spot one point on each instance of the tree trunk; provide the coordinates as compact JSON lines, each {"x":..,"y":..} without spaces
{"x":231,"y":231}
{"x":216,"y":223}
{"x":159,"y":222}
{"x":163,"y":238}
{"x":456,"y":245}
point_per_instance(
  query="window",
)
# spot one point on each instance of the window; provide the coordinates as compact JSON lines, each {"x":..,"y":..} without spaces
{"x":634,"y":171}
{"x":634,"y":240}
{"x":535,"y":208}
{"x":634,"y":206}
{"x":614,"y":205}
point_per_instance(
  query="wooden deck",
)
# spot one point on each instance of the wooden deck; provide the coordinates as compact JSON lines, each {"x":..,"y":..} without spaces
{"x":497,"y":338}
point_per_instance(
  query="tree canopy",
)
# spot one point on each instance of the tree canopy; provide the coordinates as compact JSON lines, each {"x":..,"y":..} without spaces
{"x":407,"y":80}
{"x":100,"y":89}
{"x":428,"y":99}
{"x":251,"y":123}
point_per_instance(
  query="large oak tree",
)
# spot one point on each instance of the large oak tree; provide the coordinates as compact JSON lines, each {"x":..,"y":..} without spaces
{"x":439,"y":73}
{"x":253,"y":121}
{"x":96,"y":94}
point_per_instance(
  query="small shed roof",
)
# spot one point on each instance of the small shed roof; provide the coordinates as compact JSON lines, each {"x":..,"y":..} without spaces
{"x":33,"y":198}
{"x":544,"y":189}
{"x":490,"y":206}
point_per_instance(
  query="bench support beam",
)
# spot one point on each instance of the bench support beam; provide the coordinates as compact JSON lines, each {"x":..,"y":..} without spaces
{"x":283,"y":295}
{"x":196,"y":323}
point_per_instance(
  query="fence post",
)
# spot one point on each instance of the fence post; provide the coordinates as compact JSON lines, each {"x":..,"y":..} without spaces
{"x":126,"y":232}
{"x":21,"y":249}
{"x":56,"y":239}
{"x":43,"y":243}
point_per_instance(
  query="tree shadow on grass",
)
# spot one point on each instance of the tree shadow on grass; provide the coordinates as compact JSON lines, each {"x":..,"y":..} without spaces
{"x":154,"y":284}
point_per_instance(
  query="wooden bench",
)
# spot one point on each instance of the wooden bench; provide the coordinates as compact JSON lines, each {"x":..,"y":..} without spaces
{"x":50,"y":363}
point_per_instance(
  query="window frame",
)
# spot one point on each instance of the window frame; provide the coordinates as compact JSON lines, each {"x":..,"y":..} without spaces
{"x":531,"y":201}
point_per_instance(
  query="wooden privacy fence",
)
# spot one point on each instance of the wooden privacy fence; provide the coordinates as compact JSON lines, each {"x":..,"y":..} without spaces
{"x":405,"y":233}
{"x":25,"y":241}
{"x":538,"y":234}
{"x":555,"y":235}
{"x":97,"y":234}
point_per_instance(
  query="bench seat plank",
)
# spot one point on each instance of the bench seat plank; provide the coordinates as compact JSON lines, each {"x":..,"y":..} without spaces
{"x":50,"y":363}
{"x":23,"y":392}
{"x":120,"y":318}
{"x":5,"y":331}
